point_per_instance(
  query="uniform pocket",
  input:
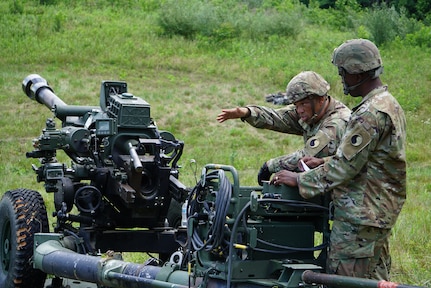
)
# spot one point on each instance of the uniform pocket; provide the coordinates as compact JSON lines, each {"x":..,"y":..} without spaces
{"x":350,"y":241}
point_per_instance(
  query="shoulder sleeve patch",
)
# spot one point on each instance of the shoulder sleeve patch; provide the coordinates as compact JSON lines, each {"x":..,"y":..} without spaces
{"x":316,"y":143}
{"x":355,"y":142}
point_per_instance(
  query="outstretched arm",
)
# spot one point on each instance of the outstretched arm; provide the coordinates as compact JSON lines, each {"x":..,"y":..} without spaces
{"x":234,"y":113}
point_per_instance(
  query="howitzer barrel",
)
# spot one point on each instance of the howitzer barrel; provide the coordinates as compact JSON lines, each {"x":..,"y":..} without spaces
{"x":348,"y":282}
{"x":54,"y":258}
{"x":37,"y":88}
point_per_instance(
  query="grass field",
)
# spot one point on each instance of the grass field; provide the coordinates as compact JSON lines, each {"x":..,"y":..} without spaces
{"x":188,"y":82}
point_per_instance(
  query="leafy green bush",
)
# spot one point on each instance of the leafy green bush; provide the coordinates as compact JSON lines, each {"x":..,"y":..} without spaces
{"x":263,"y":24}
{"x":380,"y":23}
{"x":193,"y":19}
{"x":188,"y":18}
{"x":48,"y":2}
{"x":16,"y":7}
{"x":386,"y":23}
{"x":344,"y":16}
{"x":421,"y":38}
{"x":419,"y":9}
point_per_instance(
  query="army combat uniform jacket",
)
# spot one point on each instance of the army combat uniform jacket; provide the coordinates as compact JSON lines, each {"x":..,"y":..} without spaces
{"x":366,"y":176}
{"x":321,"y":139}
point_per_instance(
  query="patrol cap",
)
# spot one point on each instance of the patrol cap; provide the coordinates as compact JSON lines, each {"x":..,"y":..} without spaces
{"x":306,"y":84}
{"x":357,"y":56}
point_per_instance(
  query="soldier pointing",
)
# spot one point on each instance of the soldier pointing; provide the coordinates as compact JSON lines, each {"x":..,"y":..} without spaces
{"x":311,"y":112}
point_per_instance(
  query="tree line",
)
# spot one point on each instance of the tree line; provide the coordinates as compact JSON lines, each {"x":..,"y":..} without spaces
{"x":418,"y":9}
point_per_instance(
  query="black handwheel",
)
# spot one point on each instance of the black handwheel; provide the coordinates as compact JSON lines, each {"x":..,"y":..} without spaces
{"x":22,"y":214}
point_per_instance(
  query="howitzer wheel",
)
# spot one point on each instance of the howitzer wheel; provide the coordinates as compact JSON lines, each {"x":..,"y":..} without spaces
{"x":22,"y":214}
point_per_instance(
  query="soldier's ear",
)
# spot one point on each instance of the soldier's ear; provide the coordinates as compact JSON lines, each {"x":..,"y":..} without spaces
{"x":322,"y":99}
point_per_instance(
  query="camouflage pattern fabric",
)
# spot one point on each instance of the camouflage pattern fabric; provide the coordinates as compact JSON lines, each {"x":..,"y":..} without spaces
{"x":306,"y":84}
{"x":359,"y":251}
{"x":347,"y":56}
{"x":366,"y":176}
{"x":321,"y":139}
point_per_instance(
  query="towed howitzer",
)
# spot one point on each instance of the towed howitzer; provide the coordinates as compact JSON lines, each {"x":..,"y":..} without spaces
{"x":117,"y":147}
{"x":229,"y":235}
{"x":121,"y":186}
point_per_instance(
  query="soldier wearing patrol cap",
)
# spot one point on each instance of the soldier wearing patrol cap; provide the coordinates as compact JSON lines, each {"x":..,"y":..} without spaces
{"x":367,"y":174}
{"x":310,"y":112}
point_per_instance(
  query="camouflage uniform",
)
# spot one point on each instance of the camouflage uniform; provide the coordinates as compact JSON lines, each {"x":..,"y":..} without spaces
{"x":321,"y":139}
{"x":367,"y":179}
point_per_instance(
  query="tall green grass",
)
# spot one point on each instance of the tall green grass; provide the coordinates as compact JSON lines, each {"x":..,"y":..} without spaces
{"x":189,"y":79}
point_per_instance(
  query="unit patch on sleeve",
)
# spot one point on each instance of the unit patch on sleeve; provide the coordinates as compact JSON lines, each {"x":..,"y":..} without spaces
{"x":355,"y":142}
{"x":316,"y":143}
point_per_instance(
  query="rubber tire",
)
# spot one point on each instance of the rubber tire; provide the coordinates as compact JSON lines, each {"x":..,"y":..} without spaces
{"x":22,"y":214}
